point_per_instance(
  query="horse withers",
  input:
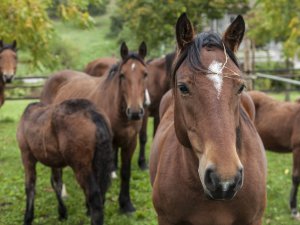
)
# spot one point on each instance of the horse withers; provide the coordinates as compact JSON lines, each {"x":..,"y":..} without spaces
{"x":8,"y":65}
{"x":207,"y":162}
{"x":72,"y":133}
{"x":278,"y":124}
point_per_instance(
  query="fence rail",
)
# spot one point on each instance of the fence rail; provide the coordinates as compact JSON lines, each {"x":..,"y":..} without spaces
{"x":29,"y":82}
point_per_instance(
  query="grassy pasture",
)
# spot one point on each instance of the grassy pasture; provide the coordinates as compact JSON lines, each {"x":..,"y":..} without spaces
{"x":91,"y":44}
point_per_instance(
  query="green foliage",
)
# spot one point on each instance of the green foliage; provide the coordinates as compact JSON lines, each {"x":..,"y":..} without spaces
{"x":28,"y":23}
{"x":154,"y":21}
{"x":278,"y":21}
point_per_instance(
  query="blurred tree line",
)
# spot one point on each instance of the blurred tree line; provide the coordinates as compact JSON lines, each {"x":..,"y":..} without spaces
{"x":28,"y":22}
{"x":154,"y":21}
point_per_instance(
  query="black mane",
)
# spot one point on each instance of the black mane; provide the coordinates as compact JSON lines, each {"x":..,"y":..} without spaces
{"x":192,"y":50}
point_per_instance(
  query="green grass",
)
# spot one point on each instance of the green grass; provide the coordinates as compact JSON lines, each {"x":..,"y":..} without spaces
{"x":12,"y":196}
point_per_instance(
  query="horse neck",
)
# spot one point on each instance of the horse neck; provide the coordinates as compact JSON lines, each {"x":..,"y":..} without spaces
{"x":111,"y":98}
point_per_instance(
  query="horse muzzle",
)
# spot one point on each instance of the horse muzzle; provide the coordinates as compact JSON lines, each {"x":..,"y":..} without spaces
{"x":218,"y":189}
{"x":135,"y":114}
{"x":7,"y":78}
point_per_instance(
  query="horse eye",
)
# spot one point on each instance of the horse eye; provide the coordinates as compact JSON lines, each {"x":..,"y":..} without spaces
{"x":183,"y":89}
{"x":122,"y":77}
{"x":241,"y":88}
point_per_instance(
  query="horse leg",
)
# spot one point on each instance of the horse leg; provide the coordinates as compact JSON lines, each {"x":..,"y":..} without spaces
{"x":94,"y":201}
{"x":143,"y":140}
{"x":56,"y":182}
{"x":29,"y":163}
{"x":115,"y":164}
{"x":124,"y":196}
{"x":296,"y":181}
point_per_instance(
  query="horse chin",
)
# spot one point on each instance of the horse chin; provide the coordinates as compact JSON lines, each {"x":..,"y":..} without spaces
{"x":135,"y":117}
{"x":220,"y":195}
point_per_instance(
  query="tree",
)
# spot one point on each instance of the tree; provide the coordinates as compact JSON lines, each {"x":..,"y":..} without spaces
{"x":27,"y":22}
{"x":154,"y":21}
{"x":278,"y":21}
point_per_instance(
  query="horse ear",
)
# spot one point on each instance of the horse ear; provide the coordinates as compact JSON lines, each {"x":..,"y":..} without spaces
{"x":124,"y":50}
{"x":143,"y":50}
{"x":234,"y":34}
{"x":184,"y":31}
{"x":14,"y":44}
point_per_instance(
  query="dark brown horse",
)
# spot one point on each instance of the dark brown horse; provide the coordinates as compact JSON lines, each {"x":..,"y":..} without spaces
{"x":278,"y":124}
{"x":158,"y":84}
{"x":8,"y":65}
{"x":71,"y":134}
{"x":206,"y":148}
{"x":120,"y":95}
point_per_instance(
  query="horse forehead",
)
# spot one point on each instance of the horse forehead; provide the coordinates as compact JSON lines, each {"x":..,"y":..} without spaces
{"x":133,"y":66}
{"x":8,"y":54}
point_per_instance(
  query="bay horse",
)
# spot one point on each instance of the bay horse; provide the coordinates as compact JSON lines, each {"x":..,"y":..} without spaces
{"x":120,"y":95}
{"x":207,"y":162}
{"x":8,"y":65}
{"x":278,"y":124}
{"x":158,"y":83}
{"x":72,"y":133}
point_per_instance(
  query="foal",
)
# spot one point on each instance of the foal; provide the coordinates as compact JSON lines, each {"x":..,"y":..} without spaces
{"x":207,"y":162}
{"x":71,"y":134}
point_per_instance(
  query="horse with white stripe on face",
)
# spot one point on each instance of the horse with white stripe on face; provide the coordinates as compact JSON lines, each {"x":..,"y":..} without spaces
{"x":207,"y":162}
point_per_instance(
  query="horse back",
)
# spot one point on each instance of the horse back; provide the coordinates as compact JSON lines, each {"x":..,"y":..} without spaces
{"x":99,"y":67}
{"x":55,"y":82}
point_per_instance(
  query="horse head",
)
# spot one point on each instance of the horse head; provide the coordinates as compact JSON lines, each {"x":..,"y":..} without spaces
{"x":8,"y":61}
{"x":132,"y":77}
{"x":207,"y":88}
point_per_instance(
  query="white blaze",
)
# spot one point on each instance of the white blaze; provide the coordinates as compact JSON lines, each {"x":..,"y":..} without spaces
{"x":132,"y":66}
{"x":217,"y":78}
{"x":147,"y":98}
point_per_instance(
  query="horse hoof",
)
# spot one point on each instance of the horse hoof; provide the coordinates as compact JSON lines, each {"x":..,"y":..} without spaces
{"x":296,"y":215}
{"x":127,"y":209}
{"x":114,"y":175}
{"x":143,"y":165}
{"x":64,"y":193}
{"x":63,"y":217}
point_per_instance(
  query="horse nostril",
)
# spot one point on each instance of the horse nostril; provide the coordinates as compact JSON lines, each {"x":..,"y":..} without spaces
{"x":128,"y":112}
{"x":142,"y":111}
{"x":211,"y":179}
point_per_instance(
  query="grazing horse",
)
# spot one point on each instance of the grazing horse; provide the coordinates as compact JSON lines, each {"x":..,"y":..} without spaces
{"x":120,"y":95}
{"x":278,"y":124}
{"x":207,"y":162}
{"x":158,"y":84}
{"x":8,"y":65}
{"x":71,"y":134}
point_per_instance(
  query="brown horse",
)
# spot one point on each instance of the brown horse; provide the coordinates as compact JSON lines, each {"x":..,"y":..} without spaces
{"x":71,"y":134}
{"x":206,"y":148}
{"x":120,"y":95}
{"x":8,"y":65}
{"x":158,"y":84}
{"x":278,"y":125}
{"x":99,"y":67}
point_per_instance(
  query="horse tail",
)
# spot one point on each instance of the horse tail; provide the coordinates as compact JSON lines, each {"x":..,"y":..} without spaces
{"x":103,"y":154}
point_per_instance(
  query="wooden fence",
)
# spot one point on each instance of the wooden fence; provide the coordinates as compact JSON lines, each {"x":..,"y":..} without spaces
{"x":30,"y":87}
